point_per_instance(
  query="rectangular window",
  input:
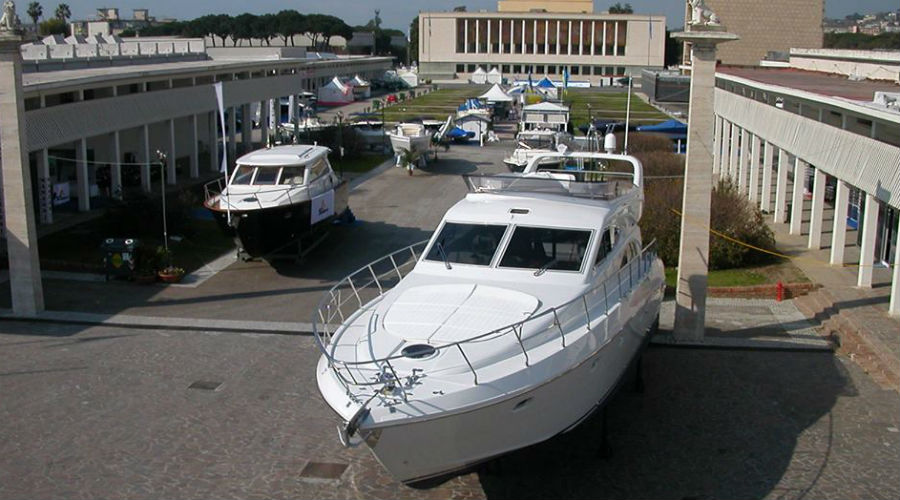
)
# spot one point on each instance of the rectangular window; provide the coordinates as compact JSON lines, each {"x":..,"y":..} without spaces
{"x":267,"y":175}
{"x":460,"y":36}
{"x":517,"y":68}
{"x":292,"y":175}
{"x":563,"y":37}
{"x":504,"y":68}
{"x":551,"y":69}
{"x":460,"y":243}
{"x":620,"y":70}
{"x":471,"y":68}
{"x":460,"y":68}
{"x":539,"y":69}
{"x":574,"y":70}
{"x":546,"y":249}
{"x":598,"y":70}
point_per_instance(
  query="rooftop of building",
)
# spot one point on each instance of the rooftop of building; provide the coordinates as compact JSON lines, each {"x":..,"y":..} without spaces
{"x":825,"y":84}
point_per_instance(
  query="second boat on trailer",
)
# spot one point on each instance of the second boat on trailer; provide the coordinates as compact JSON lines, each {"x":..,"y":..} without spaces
{"x":510,"y":325}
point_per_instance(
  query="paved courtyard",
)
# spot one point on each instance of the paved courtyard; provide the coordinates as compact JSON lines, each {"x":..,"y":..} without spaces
{"x":99,"y":412}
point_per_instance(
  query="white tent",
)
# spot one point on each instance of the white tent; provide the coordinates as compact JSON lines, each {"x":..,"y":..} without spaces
{"x":335,"y":93}
{"x":545,"y":115}
{"x":479,"y":76}
{"x":361,"y":88}
{"x":496,"y":94}
{"x":410,"y":77}
{"x":494,"y":75}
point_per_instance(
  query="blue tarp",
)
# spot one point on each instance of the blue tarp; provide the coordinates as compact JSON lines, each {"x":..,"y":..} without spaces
{"x":457,"y":134}
{"x":470,"y":104}
{"x":545,"y":83}
{"x":671,"y":127}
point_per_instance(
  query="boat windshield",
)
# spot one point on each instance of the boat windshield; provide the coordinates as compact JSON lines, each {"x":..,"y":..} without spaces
{"x":266,"y":176}
{"x":546,"y":249}
{"x":242,"y":175}
{"x":292,"y":175}
{"x":461,"y":243}
{"x":537,"y":142}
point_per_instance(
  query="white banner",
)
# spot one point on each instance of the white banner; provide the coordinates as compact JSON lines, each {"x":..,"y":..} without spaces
{"x":224,"y":168}
{"x":61,"y":193}
{"x":321,"y":207}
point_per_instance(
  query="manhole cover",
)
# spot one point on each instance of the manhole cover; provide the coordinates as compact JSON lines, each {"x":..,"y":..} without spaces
{"x":205,"y":385}
{"x":323,"y":470}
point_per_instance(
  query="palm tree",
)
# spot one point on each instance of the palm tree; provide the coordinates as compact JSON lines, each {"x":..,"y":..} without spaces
{"x":35,"y":11}
{"x":63,"y":12}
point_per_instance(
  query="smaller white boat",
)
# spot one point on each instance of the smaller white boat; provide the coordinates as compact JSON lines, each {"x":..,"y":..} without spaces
{"x":533,"y":143}
{"x":413,"y":137}
{"x":306,"y":124}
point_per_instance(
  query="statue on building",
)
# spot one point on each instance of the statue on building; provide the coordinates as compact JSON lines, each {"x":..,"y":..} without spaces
{"x":9,"y":21}
{"x":701,"y":15}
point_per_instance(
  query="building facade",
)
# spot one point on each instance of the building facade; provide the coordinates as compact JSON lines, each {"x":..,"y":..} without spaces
{"x":591,"y":47}
{"x":766,"y":26}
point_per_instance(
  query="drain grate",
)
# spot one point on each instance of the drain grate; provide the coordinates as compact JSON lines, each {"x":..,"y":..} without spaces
{"x":205,"y":385}
{"x":323,"y":470}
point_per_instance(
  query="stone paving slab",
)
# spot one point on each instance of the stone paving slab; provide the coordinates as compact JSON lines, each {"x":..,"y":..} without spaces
{"x":107,"y":412}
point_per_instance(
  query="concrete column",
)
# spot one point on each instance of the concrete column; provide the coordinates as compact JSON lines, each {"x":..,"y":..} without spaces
{"x":754,"y":170}
{"x":581,"y":38}
{"x":744,"y":161}
{"x":213,"y":123}
{"x":818,"y":209}
{"x":867,"y":249}
{"x":115,"y":168}
{"x":500,"y":36}
{"x":477,"y":35}
{"x":146,"y":181}
{"x":603,"y":53}
{"x":839,"y":231}
{"x":726,"y":149}
{"x":45,"y":187}
{"x":534,"y":37}
{"x":733,"y":152}
{"x":523,"y":36}
{"x":26,"y":290}
{"x":264,"y":122}
{"x":797,"y":197}
{"x":232,"y":132}
{"x":246,"y":129}
{"x":781,"y":188}
{"x":593,"y":36}
{"x":693,"y":258}
{"x":894,"y":307}
{"x":173,"y":154}
{"x":766,"y":195}
{"x":195,"y":149}
{"x":717,"y":145}
{"x":82,"y":177}
{"x":489,"y":22}
{"x":465,"y":36}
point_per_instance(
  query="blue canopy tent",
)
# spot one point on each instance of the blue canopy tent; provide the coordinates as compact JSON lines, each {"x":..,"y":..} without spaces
{"x":470,"y":103}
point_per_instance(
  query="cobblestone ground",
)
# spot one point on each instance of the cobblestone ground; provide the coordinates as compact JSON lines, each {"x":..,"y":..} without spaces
{"x":108,"y":413}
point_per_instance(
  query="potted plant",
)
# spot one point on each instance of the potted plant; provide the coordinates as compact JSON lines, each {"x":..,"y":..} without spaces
{"x":145,"y":266}
{"x":167,"y":272}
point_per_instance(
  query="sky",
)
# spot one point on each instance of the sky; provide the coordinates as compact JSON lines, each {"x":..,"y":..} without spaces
{"x":394,"y":13}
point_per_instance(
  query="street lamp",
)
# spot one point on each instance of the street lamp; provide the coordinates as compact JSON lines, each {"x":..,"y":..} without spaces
{"x":161,"y":158}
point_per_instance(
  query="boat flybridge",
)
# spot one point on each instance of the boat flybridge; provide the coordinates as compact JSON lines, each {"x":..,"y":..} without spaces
{"x":510,"y":325}
{"x":277,"y":196}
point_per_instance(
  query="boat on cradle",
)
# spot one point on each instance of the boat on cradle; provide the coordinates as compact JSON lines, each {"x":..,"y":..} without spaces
{"x":277,"y":196}
{"x":514,"y":322}
{"x":306,"y":124}
{"x":413,"y":137}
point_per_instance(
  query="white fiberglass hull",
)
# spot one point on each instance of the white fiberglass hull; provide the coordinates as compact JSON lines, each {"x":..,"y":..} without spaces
{"x":419,"y":448}
{"x":416,"y":144}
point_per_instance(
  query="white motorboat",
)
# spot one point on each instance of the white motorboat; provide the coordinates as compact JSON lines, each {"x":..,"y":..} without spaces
{"x":306,"y":124}
{"x":276,"y":196}
{"x":532,"y":143}
{"x":513,"y":323}
{"x":413,"y":137}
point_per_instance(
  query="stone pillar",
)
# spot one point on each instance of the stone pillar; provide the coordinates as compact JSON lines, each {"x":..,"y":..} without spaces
{"x":25,"y":285}
{"x":733,"y":152}
{"x":765,"y":198}
{"x":744,"y":162}
{"x":146,"y":181}
{"x":717,"y":146}
{"x":195,"y":149}
{"x":246,"y":129}
{"x":797,"y":197}
{"x":693,"y":258}
{"x":115,"y":167}
{"x":264,"y":122}
{"x":170,"y":164}
{"x":82,"y":176}
{"x":867,"y":249}
{"x":894,"y":307}
{"x":45,"y":187}
{"x":818,"y":210}
{"x":213,"y":123}
{"x":754,"y":170}
{"x":781,"y":188}
{"x":839,"y":231}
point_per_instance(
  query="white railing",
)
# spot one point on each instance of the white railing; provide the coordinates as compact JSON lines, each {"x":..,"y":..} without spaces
{"x":213,"y":189}
{"x":356,"y":293}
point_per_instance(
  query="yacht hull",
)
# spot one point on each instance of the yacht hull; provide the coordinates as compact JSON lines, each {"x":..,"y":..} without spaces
{"x":262,"y":231}
{"x":418,"y":449}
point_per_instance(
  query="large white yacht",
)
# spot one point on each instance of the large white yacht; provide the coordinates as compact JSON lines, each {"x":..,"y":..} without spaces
{"x":276,"y":196}
{"x":510,"y":325}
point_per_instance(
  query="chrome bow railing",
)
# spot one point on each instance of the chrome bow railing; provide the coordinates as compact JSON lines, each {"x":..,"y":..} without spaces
{"x":214,"y":189}
{"x":359,"y":291}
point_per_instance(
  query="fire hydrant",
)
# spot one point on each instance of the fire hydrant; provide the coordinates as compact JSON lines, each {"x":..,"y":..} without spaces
{"x":779,"y":291}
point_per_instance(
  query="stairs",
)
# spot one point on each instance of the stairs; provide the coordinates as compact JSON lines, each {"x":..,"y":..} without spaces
{"x":846,"y":328}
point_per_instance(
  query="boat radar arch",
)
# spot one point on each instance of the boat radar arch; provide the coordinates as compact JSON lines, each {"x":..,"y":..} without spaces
{"x":537,"y":161}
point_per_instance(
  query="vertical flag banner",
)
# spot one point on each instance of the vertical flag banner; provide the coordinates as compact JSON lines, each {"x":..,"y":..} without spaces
{"x":220,"y":101}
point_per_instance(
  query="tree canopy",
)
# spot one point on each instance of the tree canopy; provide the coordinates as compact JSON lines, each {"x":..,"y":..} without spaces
{"x":618,"y":8}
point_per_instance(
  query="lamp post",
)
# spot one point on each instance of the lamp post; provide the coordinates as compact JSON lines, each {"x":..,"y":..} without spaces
{"x":161,"y":158}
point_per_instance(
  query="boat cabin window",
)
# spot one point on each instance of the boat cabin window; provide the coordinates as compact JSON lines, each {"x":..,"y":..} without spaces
{"x":605,"y":246}
{"x":292,"y":175}
{"x":317,"y":169}
{"x":546,"y":248}
{"x":266,"y":175}
{"x":243,"y":174}
{"x":466,"y":243}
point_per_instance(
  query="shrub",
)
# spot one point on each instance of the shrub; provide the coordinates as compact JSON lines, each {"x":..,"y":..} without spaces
{"x":642,"y":142}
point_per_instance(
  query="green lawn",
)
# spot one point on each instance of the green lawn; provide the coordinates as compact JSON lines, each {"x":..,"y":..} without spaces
{"x":609,"y":106}
{"x":436,"y":105}
{"x":785,"y":271}
{"x":360,"y":164}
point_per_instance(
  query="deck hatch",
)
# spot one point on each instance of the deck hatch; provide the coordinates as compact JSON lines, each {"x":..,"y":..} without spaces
{"x":418,"y":351}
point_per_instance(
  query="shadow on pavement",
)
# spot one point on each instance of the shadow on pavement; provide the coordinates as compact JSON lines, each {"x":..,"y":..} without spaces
{"x":711,"y":424}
